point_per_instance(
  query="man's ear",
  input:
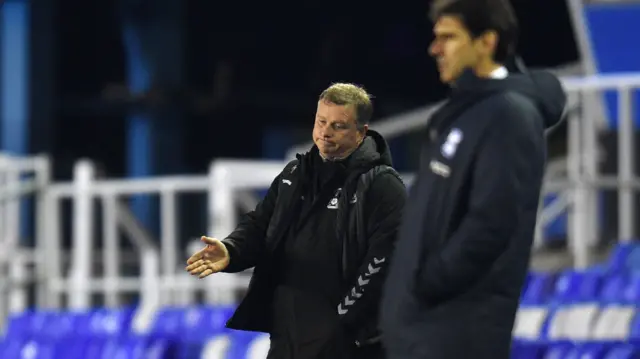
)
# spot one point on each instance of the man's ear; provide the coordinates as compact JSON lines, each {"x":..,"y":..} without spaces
{"x":363,"y":132}
{"x":489,"y":42}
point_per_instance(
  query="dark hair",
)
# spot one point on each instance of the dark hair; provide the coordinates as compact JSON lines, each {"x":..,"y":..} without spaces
{"x":480,"y":16}
{"x":345,"y":94}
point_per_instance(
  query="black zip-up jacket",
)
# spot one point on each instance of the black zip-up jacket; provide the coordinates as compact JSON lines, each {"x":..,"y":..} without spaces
{"x":463,"y":250}
{"x":367,"y":228}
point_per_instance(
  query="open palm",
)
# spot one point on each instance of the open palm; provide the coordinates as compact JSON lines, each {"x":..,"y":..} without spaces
{"x":213,"y":258}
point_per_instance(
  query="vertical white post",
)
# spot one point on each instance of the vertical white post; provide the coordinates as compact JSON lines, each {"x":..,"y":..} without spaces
{"x":82,"y":251}
{"x":578,"y":216}
{"x":538,"y":235}
{"x":4,"y":245}
{"x":222,"y":215}
{"x":221,"y":204}
{"x":150,"y":298}
{"x":111,"y":248}
{"x":590,"y":156}
{"x":51,"y":256}
{"x":17,"y":280}
{"x":169,"y":242}
{"x":150,"y":274}
{"x":626,"y":158}
{"x":17,"y":271}
{"x":45,"y":258}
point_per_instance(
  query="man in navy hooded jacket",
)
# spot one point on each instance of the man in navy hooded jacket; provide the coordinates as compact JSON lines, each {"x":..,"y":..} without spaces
{"x":463,"y":250}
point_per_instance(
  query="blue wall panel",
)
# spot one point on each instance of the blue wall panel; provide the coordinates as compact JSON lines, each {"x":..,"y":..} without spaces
{"x":14,"y":87}
{"x":615,"y":37}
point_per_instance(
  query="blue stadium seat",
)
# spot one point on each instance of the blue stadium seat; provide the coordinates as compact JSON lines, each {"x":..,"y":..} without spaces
{"x":18,"y":325}
{"x":199,"y":324}
{"x":633,"y":260}
{"x":167,"y":323}
{"x":631,"y":292}
{"x":71,"y":348}
{"x":65,"y":324}
{"x":574,"y":306}
{"x":538,"y":288}
{"x":216,"y":319}
{"x":625,"y":256}
{"x":577,"y":286}
{"x":240,"y":342}
{"x":94,"y":347}
{"x":557,"y":351}
{"x":622,"y":352}
{"x":133,"y":347}
{"x":29,"y":323}
{"x":98,"y":322}
{"x":533,"y":314}
{"x":634,"y":330}
{"x":246,"y":345}
{"x":612,"y":289}
{"x":150,"y":348}
{"x":190,"y":322}
{"x":526,"y":350}
{"x":586,"y":351}
{"x":33,"y":349}
{"x":218,"y":346}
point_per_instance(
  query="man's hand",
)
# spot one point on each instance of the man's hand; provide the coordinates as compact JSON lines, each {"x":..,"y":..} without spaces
{"x":211,"y":259}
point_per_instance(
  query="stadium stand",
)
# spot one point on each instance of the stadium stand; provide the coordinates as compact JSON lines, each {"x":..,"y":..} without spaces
{"x":583,"y":313}
{"x":586,"y":313}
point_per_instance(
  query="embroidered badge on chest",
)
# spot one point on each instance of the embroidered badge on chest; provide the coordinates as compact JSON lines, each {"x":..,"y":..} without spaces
{"x":450,"y":145}
{"x":333,"y":203}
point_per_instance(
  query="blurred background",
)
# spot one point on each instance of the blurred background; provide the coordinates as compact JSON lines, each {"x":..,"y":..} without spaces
{"x":129,"y":128}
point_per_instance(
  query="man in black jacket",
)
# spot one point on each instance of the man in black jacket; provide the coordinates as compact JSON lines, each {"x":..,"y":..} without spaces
{"x":319,"y":240}
{"x":463,"y":249}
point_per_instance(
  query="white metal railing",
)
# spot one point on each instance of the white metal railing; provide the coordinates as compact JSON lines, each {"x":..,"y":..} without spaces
{"x":14,"y":258}
{"x":162,"y":279}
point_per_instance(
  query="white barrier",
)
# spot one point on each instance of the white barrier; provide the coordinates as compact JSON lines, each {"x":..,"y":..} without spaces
{"x":15,"y":259}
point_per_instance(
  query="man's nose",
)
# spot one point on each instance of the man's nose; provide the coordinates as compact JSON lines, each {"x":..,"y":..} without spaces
{"x":327,"y":133}
{"x":434,"y":49}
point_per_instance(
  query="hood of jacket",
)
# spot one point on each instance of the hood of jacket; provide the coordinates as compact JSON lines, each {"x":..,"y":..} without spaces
{"x":542,"y":87}
{"x":374,"y":149}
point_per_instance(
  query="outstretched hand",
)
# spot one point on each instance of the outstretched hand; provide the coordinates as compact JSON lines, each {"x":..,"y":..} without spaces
{"x":213,"y":258}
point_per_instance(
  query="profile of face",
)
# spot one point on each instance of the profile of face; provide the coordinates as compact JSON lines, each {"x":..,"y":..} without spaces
{"x":455,"y":49}
{"x":335,"y":131}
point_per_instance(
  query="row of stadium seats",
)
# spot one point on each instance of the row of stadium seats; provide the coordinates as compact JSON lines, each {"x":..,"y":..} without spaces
{"x":187,"y":333}
{"x":574,"y":351}
{"x":240,"y":345}
{"x":248,"y":346}
{"x":575,"y":314}
{"x":588,"y":314}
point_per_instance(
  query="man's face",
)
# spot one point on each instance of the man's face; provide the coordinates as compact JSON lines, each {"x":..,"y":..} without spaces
{"x":335,"y":132}
{"x":453,"y":48}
